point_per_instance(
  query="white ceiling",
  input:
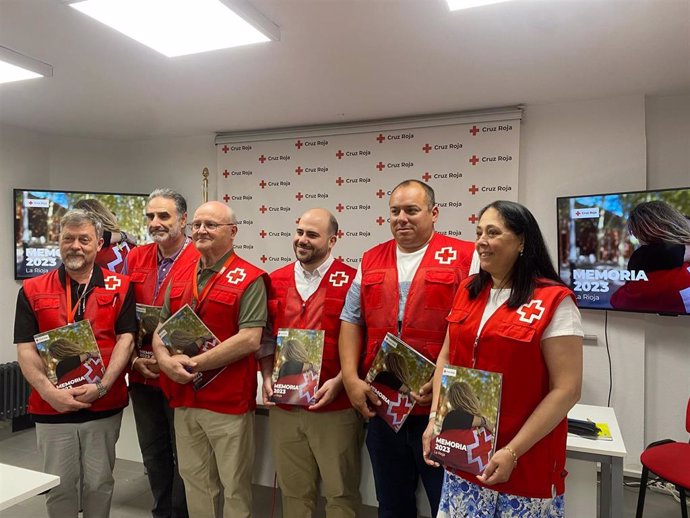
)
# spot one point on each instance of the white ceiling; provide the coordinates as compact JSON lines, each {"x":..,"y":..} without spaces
{"x":342,"y":60}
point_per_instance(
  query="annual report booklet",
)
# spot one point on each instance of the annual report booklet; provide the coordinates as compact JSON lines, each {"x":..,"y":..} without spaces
{"x":185,"y":333}
{"x":147,"y":321}
{"x":466,"y":418}
{"x":396,"y":371}
{"x":297,"y":366}
{"x":70,"y":354}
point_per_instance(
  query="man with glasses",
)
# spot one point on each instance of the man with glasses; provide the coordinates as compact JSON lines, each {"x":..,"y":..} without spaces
{"x":404,"y":286}
{"x":150,"y":268}
{"x":78,"y":425}
{"x":215,"y":425}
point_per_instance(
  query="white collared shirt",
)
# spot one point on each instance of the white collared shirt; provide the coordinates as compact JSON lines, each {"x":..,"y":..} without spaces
{"x":307,"y":283}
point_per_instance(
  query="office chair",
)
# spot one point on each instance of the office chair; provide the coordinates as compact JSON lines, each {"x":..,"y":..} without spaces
{"x":670,"y":460}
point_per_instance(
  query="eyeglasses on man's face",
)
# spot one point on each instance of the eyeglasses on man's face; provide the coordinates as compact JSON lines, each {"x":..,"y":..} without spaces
{"x":208,"y":225}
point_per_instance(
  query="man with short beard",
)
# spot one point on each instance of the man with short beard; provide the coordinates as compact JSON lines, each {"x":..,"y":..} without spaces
{"x":325,"y":438}
{"x":77,"y":428}
{"x":150,"y":268}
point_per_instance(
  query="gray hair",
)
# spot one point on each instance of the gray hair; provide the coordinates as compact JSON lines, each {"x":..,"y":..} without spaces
{"x":165,"y":192}
{"x":78,"y":217}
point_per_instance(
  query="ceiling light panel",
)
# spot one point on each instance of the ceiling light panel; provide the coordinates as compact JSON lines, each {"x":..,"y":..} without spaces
{"x":456,"y":5}
{"x":174,"y":27}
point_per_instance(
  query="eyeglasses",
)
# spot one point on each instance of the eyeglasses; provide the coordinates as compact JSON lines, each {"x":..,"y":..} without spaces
{"x":208,"y":225}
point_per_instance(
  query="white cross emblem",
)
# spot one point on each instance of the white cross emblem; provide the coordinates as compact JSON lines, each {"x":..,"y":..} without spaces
{"x":531,"y":312}
{"x":446,"y":255}
{"x":111,"y":282}
{"x":338,"y":279}
{"x":236,"y":276}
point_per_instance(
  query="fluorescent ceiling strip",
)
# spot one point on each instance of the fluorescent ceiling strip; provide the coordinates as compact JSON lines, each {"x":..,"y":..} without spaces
{"x":456,"y":5}
{"x":175,"y":27}
{"x":17,"y":67}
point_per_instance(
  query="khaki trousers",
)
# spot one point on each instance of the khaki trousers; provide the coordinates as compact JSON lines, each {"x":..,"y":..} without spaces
{"x":216,"y":454}
{"x":306,"y":444}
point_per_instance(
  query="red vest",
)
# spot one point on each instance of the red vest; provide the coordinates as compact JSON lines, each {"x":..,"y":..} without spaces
{"x":142,"y":268}
{"x":233,"y":391}
{"x":665,"y":291}
{"x":47,"y":299}
{"x":112,"y":257}
{"x":321,"y":311}
{"x":510,"y":343}
{"x":445,"y":264}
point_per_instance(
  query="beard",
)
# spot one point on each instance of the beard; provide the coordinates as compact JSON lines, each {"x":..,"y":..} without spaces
{"x":162,"y":234}
{"x":74,"y":262}
{"x":309,"y":254}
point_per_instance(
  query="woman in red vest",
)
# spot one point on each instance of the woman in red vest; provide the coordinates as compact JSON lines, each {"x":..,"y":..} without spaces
{"x":517,"y":318}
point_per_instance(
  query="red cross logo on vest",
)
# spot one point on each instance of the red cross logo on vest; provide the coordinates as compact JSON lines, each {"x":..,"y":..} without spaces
{"x":531,"y":312}
{"x":446,"y":255}
{"x":111,"y":283}
{"x":338,"y":279}
{"x":236,"y":276}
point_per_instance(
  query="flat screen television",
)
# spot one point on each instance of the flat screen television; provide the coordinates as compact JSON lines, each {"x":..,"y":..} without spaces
{"x":627,"y":251}
{"x":37,"y":216}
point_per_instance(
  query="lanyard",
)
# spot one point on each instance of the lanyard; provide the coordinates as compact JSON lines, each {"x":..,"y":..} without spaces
{"x":72,"y":309}
{"x":200,"y":298}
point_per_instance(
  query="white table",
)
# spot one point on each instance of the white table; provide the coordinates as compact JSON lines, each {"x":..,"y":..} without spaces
{"x":609,"y":454}
{"x":18,"y":484}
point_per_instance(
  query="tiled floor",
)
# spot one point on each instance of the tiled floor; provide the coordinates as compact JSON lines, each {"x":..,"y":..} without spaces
{"x":132,"y":498}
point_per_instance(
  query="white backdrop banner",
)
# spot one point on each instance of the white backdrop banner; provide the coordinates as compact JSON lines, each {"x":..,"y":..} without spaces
{"x":271,"y":178}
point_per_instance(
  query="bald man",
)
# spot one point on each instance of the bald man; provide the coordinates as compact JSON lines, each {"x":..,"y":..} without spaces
{"x":324,"y":439}
{"x":214,"y":426}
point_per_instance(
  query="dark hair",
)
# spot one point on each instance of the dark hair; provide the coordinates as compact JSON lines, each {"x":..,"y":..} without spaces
{"x":165,"y":192}
{"x":332,"y":225}
{"x":532,"y":265}
{"x":428,"y":191}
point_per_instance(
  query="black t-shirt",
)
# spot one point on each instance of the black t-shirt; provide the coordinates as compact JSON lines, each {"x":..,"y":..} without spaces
{"x":26,"y":326}
{"x":659,"y":256}
{"x":457,"y":420}
{"x":388,"y":379}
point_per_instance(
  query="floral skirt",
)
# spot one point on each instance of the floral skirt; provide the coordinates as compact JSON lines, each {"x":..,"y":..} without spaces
{"x":463,"y":499}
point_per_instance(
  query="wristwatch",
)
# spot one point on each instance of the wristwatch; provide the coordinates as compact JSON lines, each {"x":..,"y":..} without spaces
{"x":102,"y":391}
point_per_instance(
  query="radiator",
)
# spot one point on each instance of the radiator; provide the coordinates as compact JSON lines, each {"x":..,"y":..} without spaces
{"x":14,"y":391}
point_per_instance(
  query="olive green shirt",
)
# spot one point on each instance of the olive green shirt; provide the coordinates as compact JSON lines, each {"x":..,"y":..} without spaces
{"x":253,"y":311}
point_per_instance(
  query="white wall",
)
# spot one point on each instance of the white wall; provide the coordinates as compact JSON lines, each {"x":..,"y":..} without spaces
{"x":568,"y":148}
{"x":33,"y":160}
{"x":667,"y":384}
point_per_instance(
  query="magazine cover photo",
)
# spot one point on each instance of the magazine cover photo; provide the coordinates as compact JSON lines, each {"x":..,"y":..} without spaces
{"x":70,"y":355}
{"x":397,"y":371}
{"x":466,"y":419}
{"x":297,"y":366}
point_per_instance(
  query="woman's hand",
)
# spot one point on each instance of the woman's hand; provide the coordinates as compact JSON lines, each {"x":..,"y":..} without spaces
{"x":499,"y":469}
{"x":426,"y":443}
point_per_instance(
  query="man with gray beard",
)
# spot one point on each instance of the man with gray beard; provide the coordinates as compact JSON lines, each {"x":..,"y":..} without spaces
{"x":150,"y":268}
{"x":77,"y":426}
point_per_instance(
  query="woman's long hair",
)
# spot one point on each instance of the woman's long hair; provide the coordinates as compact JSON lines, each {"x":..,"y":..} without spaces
{"x":102,"y":212}
{"x":63,"y":348}
{"x":395,"y":364}
{"x":532,"y":264}
{"x":294,"y":350}
{"x":461,"y":396}
{"x":656,"y":222}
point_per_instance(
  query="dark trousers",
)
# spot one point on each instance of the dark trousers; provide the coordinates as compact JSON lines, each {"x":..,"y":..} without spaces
{"x":156,"y":433}
{"x":397,"y":463}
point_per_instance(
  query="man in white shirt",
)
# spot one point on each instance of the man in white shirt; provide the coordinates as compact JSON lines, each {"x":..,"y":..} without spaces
{"x":324,"y":438}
